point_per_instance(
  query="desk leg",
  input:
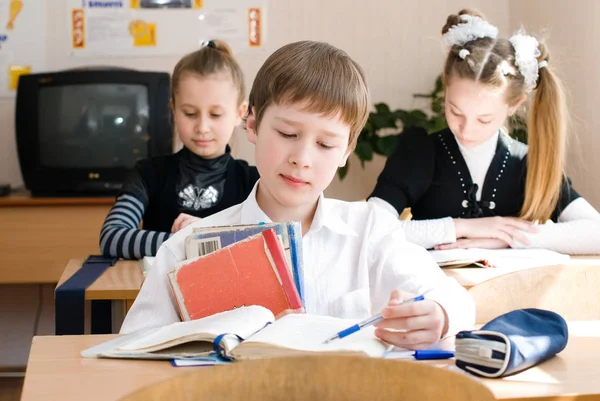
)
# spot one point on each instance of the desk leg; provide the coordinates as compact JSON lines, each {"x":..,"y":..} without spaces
{"x":101,"y":317}
{"x":119,"y":310}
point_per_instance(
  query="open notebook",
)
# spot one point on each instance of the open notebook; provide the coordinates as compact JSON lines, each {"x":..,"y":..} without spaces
{"x":251,"y":332}
{"x":501,"y":258}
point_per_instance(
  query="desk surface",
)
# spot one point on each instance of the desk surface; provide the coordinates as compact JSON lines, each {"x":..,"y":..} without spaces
{"x":119,"y":282}
{"x":57,"y":371}
{"x":124,"y":280}
{"x":470,"y":276}
{"x":24,"y":198}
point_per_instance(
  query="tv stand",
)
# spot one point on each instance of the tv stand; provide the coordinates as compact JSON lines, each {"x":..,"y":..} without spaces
{"x":40,"y":235}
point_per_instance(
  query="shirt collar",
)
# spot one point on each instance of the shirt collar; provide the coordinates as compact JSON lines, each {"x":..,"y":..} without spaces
{"x":252,"y":213}
{"x":326,"y":215}
{"x":487,"y":147}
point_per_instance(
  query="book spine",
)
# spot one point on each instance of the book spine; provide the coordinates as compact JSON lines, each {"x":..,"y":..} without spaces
{"x":295,"y":238}
{"x":183,"y":314}
{"x":278,"y":257}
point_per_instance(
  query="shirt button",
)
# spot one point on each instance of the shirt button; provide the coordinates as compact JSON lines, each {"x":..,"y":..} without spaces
{"x":465,"y":203}
{"x":492,"y":205}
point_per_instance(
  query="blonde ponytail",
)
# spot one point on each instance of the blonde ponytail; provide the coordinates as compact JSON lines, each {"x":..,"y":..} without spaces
{"x":546,"y":138}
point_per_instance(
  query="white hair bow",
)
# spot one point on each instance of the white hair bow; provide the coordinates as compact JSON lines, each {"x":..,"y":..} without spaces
{"x":526,"y":55}
{"x":470,"y":29}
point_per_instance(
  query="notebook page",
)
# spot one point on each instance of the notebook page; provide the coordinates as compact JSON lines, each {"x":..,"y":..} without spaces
{"x":512,"y":259}
{"x":243,"y":321}
{"x":303,"y":333}
{"x":453,"y":255}
{"x":526,"y":258}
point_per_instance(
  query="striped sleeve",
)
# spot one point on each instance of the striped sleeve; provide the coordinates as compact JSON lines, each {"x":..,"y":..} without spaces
{"x":120,"y":235}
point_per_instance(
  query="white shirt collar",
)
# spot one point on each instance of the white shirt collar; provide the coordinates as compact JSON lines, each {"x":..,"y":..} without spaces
{"x":484,"y":148}
{"x":326,"y":215}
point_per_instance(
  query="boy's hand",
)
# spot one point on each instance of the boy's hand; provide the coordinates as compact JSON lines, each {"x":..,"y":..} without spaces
{"x":182,"y":221}
{"x":422,"y":322}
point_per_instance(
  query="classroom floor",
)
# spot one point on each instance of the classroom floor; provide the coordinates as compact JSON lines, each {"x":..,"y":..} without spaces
{"x":10,"y":388}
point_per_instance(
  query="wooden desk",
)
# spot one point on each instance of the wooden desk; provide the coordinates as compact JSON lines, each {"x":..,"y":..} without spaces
{"x":470,"y":276}
{"x":124,"y":280}
{"x":57,"y":371}
{"x":119,"y":282}
{"x":39,"y":235}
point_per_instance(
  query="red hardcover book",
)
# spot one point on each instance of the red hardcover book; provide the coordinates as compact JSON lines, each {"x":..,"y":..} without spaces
{"x":250,"y":272}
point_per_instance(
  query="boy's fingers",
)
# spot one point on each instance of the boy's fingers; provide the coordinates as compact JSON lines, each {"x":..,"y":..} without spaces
{"x":412,"y":339}
{"x":405,"y":323}
{"x":397,"y":297}
{"x":410,"y":309}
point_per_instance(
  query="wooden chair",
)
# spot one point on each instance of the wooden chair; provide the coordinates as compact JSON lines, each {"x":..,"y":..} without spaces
{"x":325,"y":378}
{"x":569,"y":290}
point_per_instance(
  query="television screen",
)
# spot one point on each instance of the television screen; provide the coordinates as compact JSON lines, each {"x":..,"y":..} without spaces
{"x":99,"y":125}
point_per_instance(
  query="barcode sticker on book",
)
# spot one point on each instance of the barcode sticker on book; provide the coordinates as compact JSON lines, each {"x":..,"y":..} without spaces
{"x":208,"y":245}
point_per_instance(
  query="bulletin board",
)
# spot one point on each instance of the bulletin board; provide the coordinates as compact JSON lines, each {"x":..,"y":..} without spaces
{"x":163,"y":27}
{"x":22,"y":42}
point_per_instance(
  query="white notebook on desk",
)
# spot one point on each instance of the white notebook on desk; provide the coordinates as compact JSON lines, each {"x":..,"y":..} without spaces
{"x":500,"y":258}
{"x":146,"y":264}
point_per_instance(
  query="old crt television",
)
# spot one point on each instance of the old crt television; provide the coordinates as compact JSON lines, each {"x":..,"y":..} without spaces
{"x":80,"y":132}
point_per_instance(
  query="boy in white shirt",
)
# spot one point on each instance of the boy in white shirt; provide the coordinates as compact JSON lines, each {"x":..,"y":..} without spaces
{"x":307,"y":106}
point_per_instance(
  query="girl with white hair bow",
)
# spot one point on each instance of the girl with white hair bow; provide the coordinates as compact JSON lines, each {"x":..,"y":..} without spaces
{"x":471,"y":185}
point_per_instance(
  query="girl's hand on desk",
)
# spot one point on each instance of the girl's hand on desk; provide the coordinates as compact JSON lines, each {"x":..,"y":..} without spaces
{"x":422,"y":322}
{"x":507,"y":229}
{"x":485,"y":243}
{"x":182,"y":221}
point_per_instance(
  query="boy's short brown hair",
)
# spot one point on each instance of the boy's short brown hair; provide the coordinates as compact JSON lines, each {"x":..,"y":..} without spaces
{"x":317,"y":73}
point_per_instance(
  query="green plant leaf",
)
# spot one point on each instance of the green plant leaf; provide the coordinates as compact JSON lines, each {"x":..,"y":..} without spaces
{"x":379,"y":121}
{"x":364,"y":151}
{"x":437,"y":106}
{"x":412,"y":118}
{"x":439,"y":85}
{"x":382,"y":108}
{"x":343,"y":171}
{"x":386,"y":145}
{"x":438,"y":124}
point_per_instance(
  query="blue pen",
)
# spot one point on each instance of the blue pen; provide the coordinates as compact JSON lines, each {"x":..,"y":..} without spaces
{"x":425,"y":354}
{"x":370,"y":321}
{"x":421,"y":355}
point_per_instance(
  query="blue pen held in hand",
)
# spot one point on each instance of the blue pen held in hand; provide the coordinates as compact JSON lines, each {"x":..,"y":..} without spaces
{"x":370,"y":321}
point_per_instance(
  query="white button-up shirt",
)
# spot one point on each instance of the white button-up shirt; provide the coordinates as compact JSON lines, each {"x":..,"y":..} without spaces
{"x":354,"y":254}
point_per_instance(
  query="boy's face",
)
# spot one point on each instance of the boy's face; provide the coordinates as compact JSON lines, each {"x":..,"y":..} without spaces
{"x":297,"y":152}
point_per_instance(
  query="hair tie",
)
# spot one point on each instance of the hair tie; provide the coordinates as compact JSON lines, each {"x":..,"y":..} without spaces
{"x":463,"y":53}
{"x":209,"y":43}
{"x":470,"y":28}
{"x":542,"y":64}
{"x":526,"y":54}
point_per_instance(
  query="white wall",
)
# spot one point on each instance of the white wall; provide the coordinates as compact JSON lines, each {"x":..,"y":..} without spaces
{"x":396,"y":42}
{"x":573,"y":35}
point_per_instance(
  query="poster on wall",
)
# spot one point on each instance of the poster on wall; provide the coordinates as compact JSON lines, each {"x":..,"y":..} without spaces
{"x":22,"y":46}
{"x":163,"y":27}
